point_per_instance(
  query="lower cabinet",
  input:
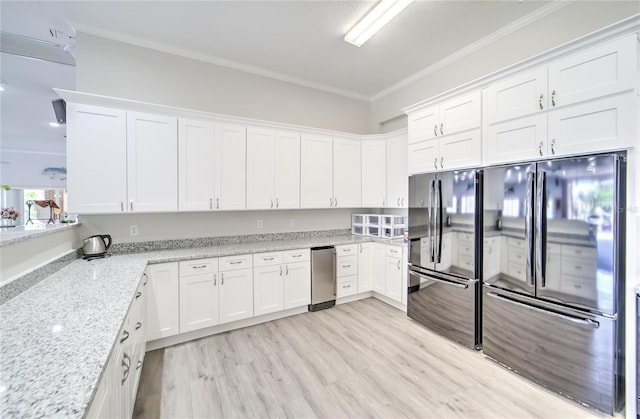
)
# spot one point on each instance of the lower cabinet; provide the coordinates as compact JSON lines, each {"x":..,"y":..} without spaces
{"x":163,"y":311}
{"x":393,"y":273}
{"x":281,"y":280}
{"x":236,"y":294}
{"x":346,"y":270}
{"x":381,"y":268}
{"x":199,"y":289}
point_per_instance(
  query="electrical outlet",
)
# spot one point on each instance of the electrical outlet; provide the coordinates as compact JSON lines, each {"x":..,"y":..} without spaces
{"x":133,"y":230}
{"x":292,"y":222}
{"x":260,"y":224}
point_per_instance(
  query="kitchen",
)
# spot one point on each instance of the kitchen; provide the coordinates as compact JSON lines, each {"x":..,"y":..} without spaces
{"x":102,"y":58}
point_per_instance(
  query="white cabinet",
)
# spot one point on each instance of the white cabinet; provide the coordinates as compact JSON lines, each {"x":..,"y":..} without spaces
{"x":236,"y":288}
{"x":198,"y":294}
{"x":297,"y":278}
{"x":273,"y":169}
{"x":268,"y":283}
{"x":365,"y":266}
{"x":230,"y":164}
{"x":96,"y":159}
{"x":347,"y":174}
{"x":316,"y":169}
{"x":346,"y":270}
{"x":152,"y":163}
{"x":374,"y":173}
{"x":450,"y":141}
{"x":196,"y":170}
{"x":578,"y":104}
{"x":212,"y":161}
{"x":163,"y":310}
{"x":330,"y":174}
{"x":393,"y":273}
{"x":397,"y":175}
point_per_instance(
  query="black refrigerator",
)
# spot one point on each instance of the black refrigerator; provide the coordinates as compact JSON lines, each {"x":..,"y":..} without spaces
{"x":444,"y":223}
{"x":553,"y":274}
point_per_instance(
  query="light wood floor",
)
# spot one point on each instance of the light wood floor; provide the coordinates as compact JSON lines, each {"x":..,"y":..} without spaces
{"x":362,"y":359}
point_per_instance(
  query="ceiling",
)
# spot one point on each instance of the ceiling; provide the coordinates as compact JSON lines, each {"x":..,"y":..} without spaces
{"x":296,"y":41}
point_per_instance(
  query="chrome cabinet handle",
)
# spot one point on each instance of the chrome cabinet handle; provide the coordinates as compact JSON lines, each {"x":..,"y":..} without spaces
{"x":441,"y":131}
{"x":139,"y":365}
{"x":221,"y":279}
{"x":217,"y":203}
{"x":435,"y":162}
{"x":402,"y":201}
{"x":271,"y":202}
{"x":210,"y":203}
{"x":125,"y":335}
{"x":540,"y":101}
{"x":398,"y":263}
{"x":146,"y":279}
{"x":235,"y":262}
{"x":398,"y":201}
{"x":435,"y":130}
{"x":280,"y":270}
{"x":296,"y":256}
{"x":335,"y":205}
{"x":199,"y":267}
{"x":383,"y":202}
{"x":346,"y":286}
{"x":360,"y":247}
{"x":330,"y":202}
{"x":138,"y":294}
{"x":138,"y":325}
{"x":553,"y":98}
{"x":131,"y":204}
{"x":286,"y":270}
{"x":121,"y":206}
{"x":277,"y":202}
{"x":267,"y":259}
{"x":442,"y":162}
{"x":540,"y":148}
{"x":127,"y":366}
{"x":214,"y":280}
{"x":553,"y":146}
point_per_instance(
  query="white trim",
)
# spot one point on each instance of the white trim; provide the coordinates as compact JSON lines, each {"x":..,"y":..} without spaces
{"x":211,"y":59}
{"x":479,"y":44}
{"x":46,"y":153}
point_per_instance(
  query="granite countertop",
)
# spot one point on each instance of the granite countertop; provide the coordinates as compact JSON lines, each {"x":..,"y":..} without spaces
{"x":57,"y":336}
{"x":17,"y":234}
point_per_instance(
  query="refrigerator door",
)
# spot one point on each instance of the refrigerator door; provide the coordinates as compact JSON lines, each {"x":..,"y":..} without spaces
{"x":446,"y":306}
{"x":421,"y":220}
{"x":575,"y":233}
{"x":456,"y":198}
{"x":567,"y":351}
{"x":509,"y":198}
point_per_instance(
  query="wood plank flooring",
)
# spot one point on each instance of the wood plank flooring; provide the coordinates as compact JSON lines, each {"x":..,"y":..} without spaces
{"x":363,"y":359}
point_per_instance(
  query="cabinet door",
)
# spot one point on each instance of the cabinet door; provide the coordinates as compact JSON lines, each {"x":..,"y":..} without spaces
{"x":316,"y":171}
{"x":287,"y":170}
{"x":195,"y":165}
{"x":397,"y":179}
{"x":517,"y":96}
{"x":198,"y":301}
{"x":374,"y":174}
{"x":268,"y":289}
{"x":596,"y":72}
{"x":230,"y":163}
{"x":347,"y":173}
{"x":297,"y":284}
{"x":236,"y":295}
{"x":393,"y":278}
{"x":518,"y":139}
{"x":461,"y":150}
{"x":424,"y":124}
{"x":260,"y":168}
{"x":378,"y":268}
{"x":600,"y":125}
{"x":96,"y":159}
{"x":152,"y":162}
{"x":162,"y":300}
{"x":423,"y":156}
{"x":365,"y":267}
{"x":460,"y":114}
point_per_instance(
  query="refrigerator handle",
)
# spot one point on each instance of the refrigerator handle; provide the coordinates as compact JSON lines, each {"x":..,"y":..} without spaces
{"x":335,"y":272}
{"x":541,"y":227}
{"x":440,"y":218}
{"x":529,"y":226}
{"x":431,"y":223}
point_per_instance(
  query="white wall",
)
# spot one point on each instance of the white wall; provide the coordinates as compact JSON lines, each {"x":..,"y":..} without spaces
{"x":566,"y":24}
{"x":112,"y":68}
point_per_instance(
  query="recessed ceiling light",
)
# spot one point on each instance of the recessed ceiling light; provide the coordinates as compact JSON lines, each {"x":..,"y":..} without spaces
{"x":54,"y":124}
{"x":375,"y":20}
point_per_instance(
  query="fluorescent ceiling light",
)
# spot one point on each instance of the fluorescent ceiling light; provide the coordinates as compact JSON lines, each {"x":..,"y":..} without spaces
{"x":54,"y":124}
{"x":2,"y":85}
{"x":375,"y":20}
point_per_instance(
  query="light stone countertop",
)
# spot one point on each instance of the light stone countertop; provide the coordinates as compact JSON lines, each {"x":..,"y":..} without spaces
{"x":17,"y":234}
{"x":57,"y":336}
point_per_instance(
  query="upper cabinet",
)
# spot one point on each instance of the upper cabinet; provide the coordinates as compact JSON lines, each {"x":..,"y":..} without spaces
{"x":96,"y":159}
{"x":152,"y":163}
{"x":211,"y":165}
{"x":579,"y":104}
{"x":445,"y":136}
{"x":374,"y":173}
{"x":397,"y":175}
{"x":273,"y":169}
{"x":330,"y":174}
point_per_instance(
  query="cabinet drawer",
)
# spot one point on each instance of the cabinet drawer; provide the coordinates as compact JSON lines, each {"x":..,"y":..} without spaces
{"x":465,"y":248}
{"x":517,"y":256}
{"x":519,"y":243}
{"x":347,"y":265}
{"x":198,"y":266}
{"x":346,"y":286}
{"x":466,"y":262}
{"x":578,"y":287}
{"x":230,"y":263}
{"x":465,"y":237}
{"x":301,"y":255}
{"x":518,"y":271}
{"x":394,"y":251}
{"x":267,"y":259}
{"x":349,"y":249}
{"x":553,"y":249}
{"x":579,"y":251}
{"x":581,"y":267}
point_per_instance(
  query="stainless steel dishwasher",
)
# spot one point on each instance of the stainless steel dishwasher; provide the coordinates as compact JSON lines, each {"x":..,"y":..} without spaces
{"x":323,"y":278}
